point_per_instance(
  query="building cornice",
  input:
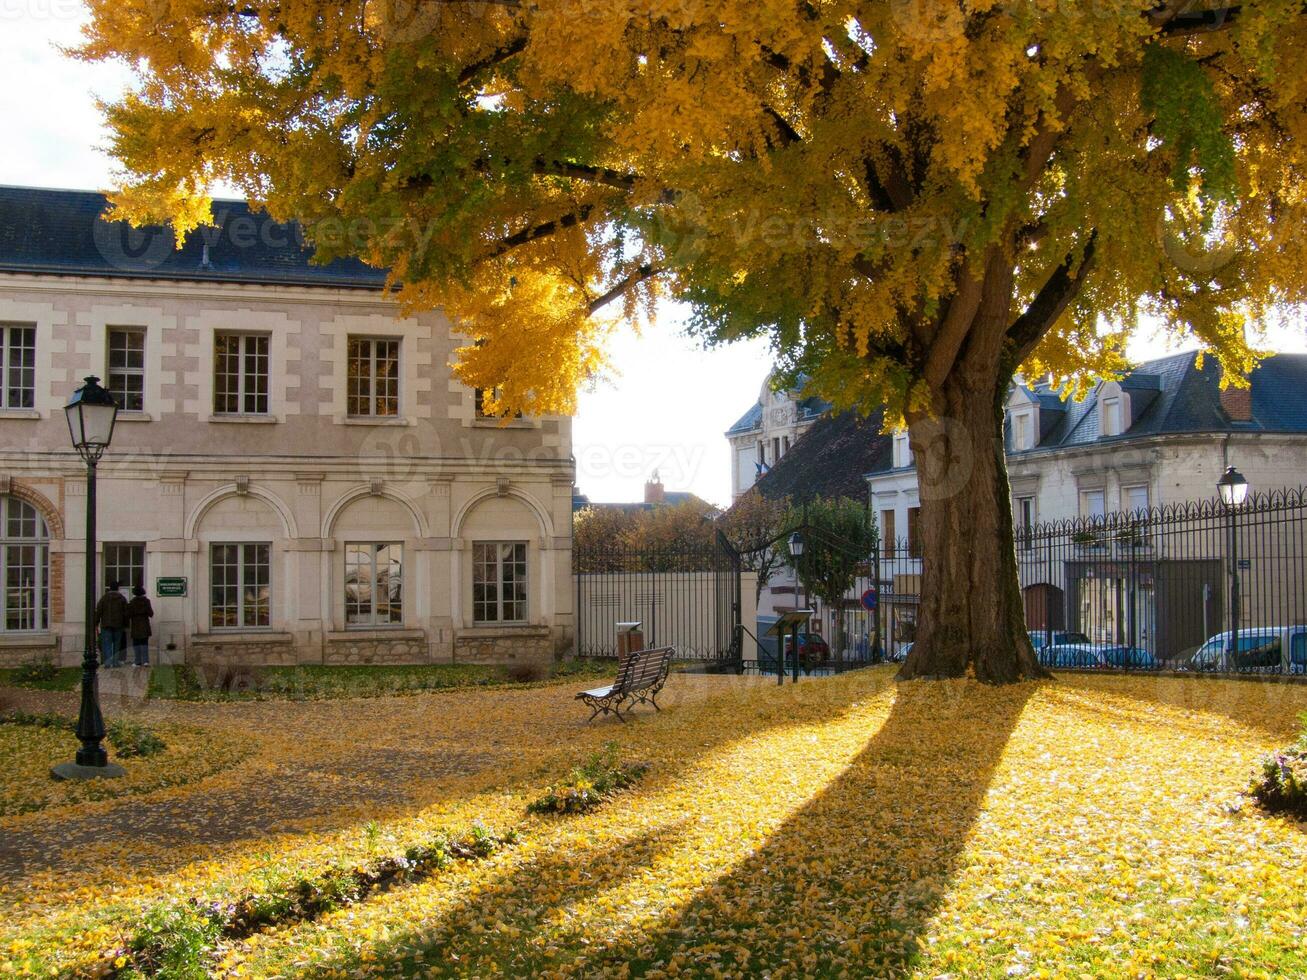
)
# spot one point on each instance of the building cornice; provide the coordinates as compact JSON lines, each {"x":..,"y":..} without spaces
{"x":128,"y":287}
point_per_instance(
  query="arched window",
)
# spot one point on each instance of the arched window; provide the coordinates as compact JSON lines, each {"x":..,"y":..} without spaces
{"x":24,"y":567}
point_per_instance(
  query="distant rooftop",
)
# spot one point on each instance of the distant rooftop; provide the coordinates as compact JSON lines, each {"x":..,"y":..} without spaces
{"x":62,"y":233}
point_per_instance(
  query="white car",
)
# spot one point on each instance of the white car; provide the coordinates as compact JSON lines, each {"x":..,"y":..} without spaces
{"x":1270,"y":649}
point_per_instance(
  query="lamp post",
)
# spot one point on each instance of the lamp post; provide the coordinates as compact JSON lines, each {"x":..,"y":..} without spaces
{"x":91,"y":414}
{"x":796,"y":543}
{"x":1233,"y":488}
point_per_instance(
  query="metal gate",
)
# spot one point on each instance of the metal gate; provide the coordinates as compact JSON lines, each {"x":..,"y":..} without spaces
{"x":687,"y":597}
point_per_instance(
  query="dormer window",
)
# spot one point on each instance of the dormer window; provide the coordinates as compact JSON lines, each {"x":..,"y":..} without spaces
{"x":1111,"y":425}
{"x":1113,"y":410}
{"x":1022,"y":432}
{"x":902,"y":450}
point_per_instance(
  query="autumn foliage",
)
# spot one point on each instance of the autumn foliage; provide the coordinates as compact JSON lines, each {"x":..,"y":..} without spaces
{"x":911,"y":199}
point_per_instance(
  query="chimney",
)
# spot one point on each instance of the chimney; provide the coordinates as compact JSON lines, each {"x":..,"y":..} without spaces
{"x":653,"y":490}
{"x":1237,"y":403}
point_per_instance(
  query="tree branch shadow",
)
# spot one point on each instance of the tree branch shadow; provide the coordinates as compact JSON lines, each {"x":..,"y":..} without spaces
{"x":847,"y":883}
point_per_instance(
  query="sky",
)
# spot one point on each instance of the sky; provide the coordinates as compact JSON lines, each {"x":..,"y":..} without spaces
{"x":666,"y":403}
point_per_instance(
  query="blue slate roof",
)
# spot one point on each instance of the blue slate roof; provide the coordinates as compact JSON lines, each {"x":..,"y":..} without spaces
{"x":57,"y":232}
{"x":1172,"y":395}
{"x":751,"y":421}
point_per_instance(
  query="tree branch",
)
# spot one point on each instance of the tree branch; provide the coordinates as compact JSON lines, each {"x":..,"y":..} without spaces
{"x":788,"y":134}
{"x":543,"y":230}
{"x":642,"y":273}
{"x":584,"y":171}
{"x":493,"y":59}
{"x":1051,"y":300}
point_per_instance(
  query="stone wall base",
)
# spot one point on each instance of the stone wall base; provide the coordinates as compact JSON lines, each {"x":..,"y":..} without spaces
{"x":408,"y":647}
{"x":528,"y":644}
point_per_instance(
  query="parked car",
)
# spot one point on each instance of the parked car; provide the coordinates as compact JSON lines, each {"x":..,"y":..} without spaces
{"x":900,"y":653}
{"x":1269,"y":649}
{"x":1048,"y":638}
{"x":1072,"y":655}
{"x":1129,"y":657}
{"x":812,"y":648}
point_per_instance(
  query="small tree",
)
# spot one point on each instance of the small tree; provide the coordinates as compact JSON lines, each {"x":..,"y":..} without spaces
{"x":752,"y":522}
{"x":839,"y":537}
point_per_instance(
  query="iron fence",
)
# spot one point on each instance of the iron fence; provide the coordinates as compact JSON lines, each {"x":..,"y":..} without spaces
{"x":1198,"y":586}
{"x":687,"y":597}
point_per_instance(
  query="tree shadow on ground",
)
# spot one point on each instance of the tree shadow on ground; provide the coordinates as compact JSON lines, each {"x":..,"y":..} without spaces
{"x":358,"y":784}
{"x":847,"y":883}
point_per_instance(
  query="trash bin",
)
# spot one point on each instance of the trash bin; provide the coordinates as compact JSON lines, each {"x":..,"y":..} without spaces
{"x":629,"y":639}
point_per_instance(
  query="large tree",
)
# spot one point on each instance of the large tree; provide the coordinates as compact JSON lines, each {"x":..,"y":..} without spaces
{"x":913,"y":198}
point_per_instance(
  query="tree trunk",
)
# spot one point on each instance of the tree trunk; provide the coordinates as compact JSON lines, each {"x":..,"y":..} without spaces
{"x":972,"y":618}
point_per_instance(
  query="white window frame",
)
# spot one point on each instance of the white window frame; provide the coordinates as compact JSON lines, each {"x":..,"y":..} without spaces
{"x":1110,"y":422}
{"x":371,"y":550}
{"x":40,"y":543}
{"x":125,"y":372}
{"x":480,"y":548}
{"x":11,"y":395}
{"x":370,"y":382}
{"x":1025,"y":521}
{"x":243,"y":389}
{"x":1022,"y":427}
{"x":241,"y":608}
{"x":1086,"y":511}
{"x":106,"y":578}
{"x":902,"y":450}
{"x":1125,"y":497}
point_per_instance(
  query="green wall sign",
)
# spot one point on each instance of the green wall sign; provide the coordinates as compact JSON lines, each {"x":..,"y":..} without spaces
{"x":170,"y":588}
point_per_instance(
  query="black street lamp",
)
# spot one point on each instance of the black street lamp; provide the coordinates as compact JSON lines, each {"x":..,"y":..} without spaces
{"x":91,"y":414}
{"x":1233,"y":488}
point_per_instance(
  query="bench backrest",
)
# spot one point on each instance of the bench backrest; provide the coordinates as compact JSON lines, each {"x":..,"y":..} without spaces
{"x":642,"y":668}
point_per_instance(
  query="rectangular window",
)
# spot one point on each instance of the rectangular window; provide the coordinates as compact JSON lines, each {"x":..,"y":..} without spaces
{"x":914,"y":534}
{"x":240,"y":586}
{"x":373,"y":377}
{"x":374,"y":584}
{"x":1092,"y":503}
{"x":1111,"y":422}
{"x":902,"y":450}
{"x":481,"y":396}
{"x":887,"y":531}
{"x":240,"y":374}
{"x":785,"y":445}
{"x":124,"y":564}
{"x":126,"y":367}
{"x":499,"y":581}
{"x":17,"y":365}
{"x":1021,"y":432}
{"x":762,"y":453}
{"x":776,"y":450}
{"x":1025,"y":522}
{"x":1135,"y":498}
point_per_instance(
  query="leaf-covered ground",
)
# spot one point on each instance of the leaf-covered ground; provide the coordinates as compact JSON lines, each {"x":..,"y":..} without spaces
{"x":1086,"y":827}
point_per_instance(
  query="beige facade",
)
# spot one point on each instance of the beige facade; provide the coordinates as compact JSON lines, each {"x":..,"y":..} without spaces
{"x":278,"y":519}
{"x":765,"y":433}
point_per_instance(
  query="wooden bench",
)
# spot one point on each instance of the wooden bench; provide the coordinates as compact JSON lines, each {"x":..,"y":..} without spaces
{"x":640,"y":676}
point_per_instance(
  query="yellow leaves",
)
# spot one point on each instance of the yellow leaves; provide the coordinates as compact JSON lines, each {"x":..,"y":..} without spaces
{"x":838,"y":826}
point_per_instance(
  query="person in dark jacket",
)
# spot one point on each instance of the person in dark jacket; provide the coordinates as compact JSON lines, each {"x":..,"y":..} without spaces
{"x":139,"y":614}
{"x":111,"y":618}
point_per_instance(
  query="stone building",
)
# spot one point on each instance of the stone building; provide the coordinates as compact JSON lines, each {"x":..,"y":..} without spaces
{"x":292,"y":454}
{"x":765,"y":433}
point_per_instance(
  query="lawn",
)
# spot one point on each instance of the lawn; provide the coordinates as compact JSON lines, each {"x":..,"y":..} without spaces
{"x":315,"y":681}
{"x":1091,"y":826}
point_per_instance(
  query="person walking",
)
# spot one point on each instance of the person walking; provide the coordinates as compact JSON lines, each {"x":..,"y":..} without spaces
{"x":111,"y":618}
{"x":139,"y":614}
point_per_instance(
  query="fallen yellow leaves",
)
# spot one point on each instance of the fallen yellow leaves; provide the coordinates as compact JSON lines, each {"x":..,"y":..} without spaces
{"x":842,"y":826}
